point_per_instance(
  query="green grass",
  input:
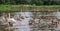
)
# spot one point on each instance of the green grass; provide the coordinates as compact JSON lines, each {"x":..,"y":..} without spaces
{"x":27,"y":7}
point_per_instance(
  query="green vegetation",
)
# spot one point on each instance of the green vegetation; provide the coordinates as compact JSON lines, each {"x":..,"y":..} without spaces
{"x":12,"y":8}
{"x":30,"y":2}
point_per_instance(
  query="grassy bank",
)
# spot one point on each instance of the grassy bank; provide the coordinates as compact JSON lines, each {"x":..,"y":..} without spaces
{"x":9,"y":8}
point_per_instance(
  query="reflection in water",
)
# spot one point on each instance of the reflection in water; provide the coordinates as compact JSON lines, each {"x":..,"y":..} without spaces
{"x":28,"y":14}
